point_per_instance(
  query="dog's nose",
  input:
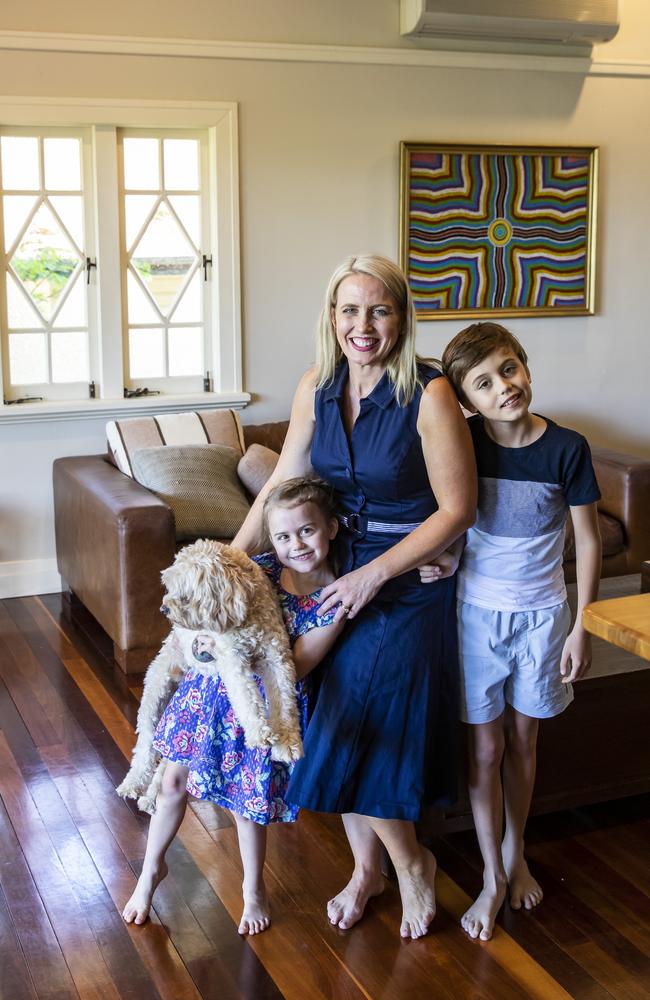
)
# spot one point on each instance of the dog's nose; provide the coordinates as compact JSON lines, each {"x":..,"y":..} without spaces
{"x":164,"y":609}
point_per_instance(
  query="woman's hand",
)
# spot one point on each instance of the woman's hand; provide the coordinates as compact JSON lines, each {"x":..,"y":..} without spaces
{"x":351,"y":592}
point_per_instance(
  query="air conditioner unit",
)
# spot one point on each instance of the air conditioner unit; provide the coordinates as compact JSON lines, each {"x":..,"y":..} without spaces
{"x":569,"y":22}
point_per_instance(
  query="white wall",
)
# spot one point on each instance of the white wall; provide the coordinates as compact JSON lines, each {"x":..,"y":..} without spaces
{"x":319,"y":156}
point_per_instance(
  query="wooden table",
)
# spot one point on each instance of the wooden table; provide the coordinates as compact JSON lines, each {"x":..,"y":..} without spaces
{"x":624,"y":621}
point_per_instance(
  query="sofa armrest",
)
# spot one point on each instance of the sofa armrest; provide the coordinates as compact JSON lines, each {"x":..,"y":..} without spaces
{"x":113,"y":539}
{"x":624,"y":482}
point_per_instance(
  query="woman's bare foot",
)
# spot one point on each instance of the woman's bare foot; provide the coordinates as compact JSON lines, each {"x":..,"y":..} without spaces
{"x":478,"y":921}
{"x":257,"y":912}
{"x":137,"y":909}
{"x":524,"y":889}
{"x":417,"y":889}
{"x":347,"y":908}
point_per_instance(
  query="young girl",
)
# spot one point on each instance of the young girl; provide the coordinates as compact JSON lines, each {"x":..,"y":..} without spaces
{"x":198,"y":733}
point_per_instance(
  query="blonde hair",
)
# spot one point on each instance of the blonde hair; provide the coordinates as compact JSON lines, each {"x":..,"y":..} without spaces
{"x":294,"y":492}
{"x":402,"y":362}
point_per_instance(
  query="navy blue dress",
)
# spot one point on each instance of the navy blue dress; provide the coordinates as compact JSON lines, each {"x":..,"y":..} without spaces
{"x":381,"y":740}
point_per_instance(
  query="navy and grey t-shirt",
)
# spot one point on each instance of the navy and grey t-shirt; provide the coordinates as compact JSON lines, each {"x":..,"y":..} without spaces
{"x":513,"y":556}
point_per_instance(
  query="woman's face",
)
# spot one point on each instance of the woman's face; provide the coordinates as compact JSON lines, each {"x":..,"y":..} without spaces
{"x":367,"y":320}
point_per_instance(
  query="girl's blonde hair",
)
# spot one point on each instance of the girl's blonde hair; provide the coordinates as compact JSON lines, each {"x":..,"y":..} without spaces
{"x":402,"y":362}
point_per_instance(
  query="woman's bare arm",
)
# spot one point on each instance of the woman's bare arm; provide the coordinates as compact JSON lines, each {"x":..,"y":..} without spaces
{"x":294,"y":461}
{"x":449,"y":457}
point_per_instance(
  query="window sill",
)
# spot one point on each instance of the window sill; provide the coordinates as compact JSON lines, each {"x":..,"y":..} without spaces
{"x":107,"y":409}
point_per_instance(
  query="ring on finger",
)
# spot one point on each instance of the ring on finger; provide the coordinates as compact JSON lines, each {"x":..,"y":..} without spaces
{"x":345,"y":609}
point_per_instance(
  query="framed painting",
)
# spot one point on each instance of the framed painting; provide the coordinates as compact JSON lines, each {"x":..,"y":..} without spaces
{"x":498,"y":230}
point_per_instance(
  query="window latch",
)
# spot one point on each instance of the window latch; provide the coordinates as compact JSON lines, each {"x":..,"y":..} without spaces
{"x":142,"y":391}
{"x":90,"y":263}
{"x":23,"y":399}
{"x":207,"y":262}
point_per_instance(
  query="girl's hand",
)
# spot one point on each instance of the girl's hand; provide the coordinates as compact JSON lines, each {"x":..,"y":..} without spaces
{"x":351,"y":592}
{"x":442,"y":567}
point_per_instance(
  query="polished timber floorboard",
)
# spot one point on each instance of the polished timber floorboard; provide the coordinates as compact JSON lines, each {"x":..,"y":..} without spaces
{"x":70,"y":850}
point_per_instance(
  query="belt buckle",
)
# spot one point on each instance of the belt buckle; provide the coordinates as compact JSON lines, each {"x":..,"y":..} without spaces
{"x":354,"y":524}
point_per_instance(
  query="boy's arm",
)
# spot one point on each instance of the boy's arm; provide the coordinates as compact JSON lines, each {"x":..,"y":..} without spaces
{"x":576,"y":655}
{"x":309,"y":649}
{"x":445,"y":564}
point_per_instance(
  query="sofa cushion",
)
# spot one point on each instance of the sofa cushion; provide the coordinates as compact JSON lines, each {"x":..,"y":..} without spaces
{"x":256,"y":467}
{"x":611,"y":533}
{"x":191,"y":428}
{"x":199,"y":483}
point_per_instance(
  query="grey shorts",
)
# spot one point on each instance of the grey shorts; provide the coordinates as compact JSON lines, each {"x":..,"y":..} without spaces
{"x":512,"y":658}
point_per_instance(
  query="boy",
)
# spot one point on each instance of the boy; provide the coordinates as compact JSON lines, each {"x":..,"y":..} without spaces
{"x":517,"y":661}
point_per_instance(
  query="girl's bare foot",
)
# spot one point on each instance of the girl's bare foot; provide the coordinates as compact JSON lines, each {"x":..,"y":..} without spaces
{"x":347,"y":908}
{"x":524,"y":889}
{"x":137,"y":909}
{"x":478,"y":921}
{"x":417,"y":889}
{"x":257,"y":912}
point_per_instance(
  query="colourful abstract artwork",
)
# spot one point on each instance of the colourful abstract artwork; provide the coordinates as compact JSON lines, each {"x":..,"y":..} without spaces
{"x":496,"y":230}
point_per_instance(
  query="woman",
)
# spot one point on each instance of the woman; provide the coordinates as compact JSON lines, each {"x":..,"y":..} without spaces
{"x":387,"y":432}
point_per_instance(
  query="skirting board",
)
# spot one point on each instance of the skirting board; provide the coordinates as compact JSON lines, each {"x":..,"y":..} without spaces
{"x":28,"y":577}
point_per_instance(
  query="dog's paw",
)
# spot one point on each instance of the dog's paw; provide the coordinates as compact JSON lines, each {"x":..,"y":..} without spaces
{"x":259,"y":736}
{"x":287,"y":753}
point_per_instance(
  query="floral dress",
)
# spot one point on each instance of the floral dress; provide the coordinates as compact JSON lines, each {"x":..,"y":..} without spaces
{"x":199,"y":729}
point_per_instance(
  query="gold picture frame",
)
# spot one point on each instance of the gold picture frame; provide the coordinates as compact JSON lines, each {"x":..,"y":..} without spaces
{"x":498,"y":230}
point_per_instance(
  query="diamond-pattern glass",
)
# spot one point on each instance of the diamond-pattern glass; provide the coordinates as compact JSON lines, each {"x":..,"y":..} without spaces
{"x":45,"y":261}
{"x":163,"y":257}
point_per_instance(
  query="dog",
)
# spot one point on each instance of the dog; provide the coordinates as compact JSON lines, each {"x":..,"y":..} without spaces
{"x":226,"y":620}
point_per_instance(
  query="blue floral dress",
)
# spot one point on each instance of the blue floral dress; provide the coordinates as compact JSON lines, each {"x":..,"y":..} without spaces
{"x":199,"y":729}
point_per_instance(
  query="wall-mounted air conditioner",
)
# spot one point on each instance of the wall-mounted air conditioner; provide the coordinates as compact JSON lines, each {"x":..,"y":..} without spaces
{"x":569,"y":22}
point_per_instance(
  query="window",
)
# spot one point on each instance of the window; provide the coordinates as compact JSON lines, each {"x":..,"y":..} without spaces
{"x":120,"y":240}
{"x":166,"y":257}
{"x":44,"y":210}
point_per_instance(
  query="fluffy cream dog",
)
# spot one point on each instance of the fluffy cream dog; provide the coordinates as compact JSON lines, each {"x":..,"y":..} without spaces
{"x":225,"y":619}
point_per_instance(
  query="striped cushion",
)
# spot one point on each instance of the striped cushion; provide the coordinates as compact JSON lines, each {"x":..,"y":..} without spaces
{"x":206,"y":427}
{"x":199,"y":483}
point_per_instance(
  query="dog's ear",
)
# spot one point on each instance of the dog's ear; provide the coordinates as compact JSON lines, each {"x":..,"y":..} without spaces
{"x":226,"y":589}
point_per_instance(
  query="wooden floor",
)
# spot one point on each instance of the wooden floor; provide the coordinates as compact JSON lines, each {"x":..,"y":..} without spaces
{"x":70,"y":851}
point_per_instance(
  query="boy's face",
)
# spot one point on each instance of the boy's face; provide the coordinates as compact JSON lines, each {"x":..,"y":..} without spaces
{"x":498,"y":387}
{"x":301,"y":536}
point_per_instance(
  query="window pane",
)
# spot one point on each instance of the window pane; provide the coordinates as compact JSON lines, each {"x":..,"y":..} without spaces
{"x":189,"y":308}
{"x":28,"y":358}
{"x":45,"y":261}
{"x":16,"y":209}
{"x":62,"y":159}
{"x":73,"y":310}
{"x":69,"y":208}
{"x":19,"y":160}
{"x":20,"y":314}
{"x":163,"y":257}
{"x":140,"y":308}
{"x":181,"y":164}
{"x":69,"y":356}
{"x":185,"y":350}
{"x":146,"y":353}
{"x":141,"y":166}
{"x":136,"y":209}
{"x":187,"y":209}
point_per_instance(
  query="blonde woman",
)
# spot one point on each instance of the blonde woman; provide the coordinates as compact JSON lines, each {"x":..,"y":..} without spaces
{"x":385,"y":430}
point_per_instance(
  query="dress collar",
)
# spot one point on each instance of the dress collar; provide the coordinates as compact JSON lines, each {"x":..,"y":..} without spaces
{"x":382,"y":395}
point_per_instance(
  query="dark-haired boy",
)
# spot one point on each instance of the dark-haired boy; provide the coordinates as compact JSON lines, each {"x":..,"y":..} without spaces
{"x":517,"y":660}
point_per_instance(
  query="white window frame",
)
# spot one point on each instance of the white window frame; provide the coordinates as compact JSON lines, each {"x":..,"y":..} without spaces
{"x":103,"y":117}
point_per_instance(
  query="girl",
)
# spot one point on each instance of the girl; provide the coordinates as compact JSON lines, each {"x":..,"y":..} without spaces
{"x":198,"y":733}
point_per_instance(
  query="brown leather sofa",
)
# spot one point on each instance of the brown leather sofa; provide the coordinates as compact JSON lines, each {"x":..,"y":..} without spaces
{"x":113,"y":538}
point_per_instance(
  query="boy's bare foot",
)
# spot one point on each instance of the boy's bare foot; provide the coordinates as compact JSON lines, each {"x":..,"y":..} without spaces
{"x":137,"y":909}
{"x":524,"y":889}
{"x":257,"y":912}
{"x":478,"y":921}
{"x":347,"y":908}
{"x":417,"y":889}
